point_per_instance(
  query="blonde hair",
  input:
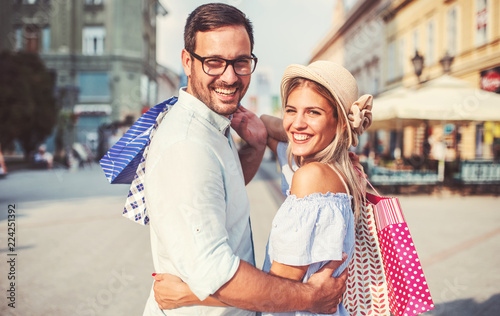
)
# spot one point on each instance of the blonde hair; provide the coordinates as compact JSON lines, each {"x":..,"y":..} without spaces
{"x":336,"y":154}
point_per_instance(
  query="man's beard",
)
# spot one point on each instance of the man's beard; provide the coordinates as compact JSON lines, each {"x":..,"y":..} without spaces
{"x":208,"y":97}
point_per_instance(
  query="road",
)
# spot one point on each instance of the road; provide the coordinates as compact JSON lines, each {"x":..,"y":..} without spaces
{"x":76,"y":255}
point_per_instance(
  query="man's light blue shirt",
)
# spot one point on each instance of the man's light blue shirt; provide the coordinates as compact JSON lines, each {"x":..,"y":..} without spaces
{"x":198,"y":205}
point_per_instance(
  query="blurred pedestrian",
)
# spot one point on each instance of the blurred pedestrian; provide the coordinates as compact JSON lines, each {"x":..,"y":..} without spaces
{"x":43,"y":159}
{"x":3,"y":166}
{"x":195,"y":186}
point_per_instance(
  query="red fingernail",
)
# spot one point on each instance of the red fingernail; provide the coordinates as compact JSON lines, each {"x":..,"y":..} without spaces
{"x":153,"y":274}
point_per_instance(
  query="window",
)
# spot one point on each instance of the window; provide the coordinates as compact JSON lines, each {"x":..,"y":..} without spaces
{"x":481,"y":22}
{"x":19,"y":39}
{"x":153,"y":92}
{"x":46,"y":40}
{"x":452,"y":32}
{"x":401,"y":59}
{"x":149,"y":91}
{"x":391,"y":62}
{"x":94,"y":2}
{"x":430,"y":58}
{"x":93,"y":40}
{"x":94,"y":86}
{"x":144,"y":89}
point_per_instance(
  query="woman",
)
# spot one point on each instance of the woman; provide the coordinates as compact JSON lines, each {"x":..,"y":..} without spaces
{"x":322,"y":119}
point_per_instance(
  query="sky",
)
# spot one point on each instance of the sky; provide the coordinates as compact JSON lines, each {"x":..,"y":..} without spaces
{"x":285,"y":32}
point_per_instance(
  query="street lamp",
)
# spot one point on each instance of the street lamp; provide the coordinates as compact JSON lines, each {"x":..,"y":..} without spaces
{"x":446,"y":62}
{"x":418,"y":64}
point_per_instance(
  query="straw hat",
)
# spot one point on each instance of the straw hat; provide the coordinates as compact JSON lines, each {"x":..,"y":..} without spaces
{"x":343,"y":87}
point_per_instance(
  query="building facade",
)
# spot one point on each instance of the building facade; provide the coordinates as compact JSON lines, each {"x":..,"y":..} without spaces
{"x":356,"y":41}
{"x":377,"y":41}
{"x":467,"y":33}
{"x":102,"y":51}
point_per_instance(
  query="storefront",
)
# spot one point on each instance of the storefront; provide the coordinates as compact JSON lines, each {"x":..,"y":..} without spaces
{"x":443,"y":120}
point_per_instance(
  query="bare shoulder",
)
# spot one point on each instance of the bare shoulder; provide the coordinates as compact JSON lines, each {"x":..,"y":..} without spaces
{"x":316,"y":177}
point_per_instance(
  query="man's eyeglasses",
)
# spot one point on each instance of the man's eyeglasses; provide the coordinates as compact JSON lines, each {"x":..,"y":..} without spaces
{"x":215,"y":66}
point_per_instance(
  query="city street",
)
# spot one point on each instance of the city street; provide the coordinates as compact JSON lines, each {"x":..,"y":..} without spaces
{"x":74,"y":253}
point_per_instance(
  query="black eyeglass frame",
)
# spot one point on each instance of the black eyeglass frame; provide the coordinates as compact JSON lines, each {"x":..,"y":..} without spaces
{"x":227,"y":61}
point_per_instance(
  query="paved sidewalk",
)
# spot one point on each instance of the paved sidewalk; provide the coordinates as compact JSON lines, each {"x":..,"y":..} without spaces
{"x":76,"y":254}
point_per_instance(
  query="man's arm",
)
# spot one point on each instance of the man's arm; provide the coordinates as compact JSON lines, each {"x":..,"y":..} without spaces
{"x":253,"y":289}
{"x":251,"y":129}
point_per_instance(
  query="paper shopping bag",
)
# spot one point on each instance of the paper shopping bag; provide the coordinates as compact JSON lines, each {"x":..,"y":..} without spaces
{"x":366,"y":292}
{"x":120,"y":162}
{"x":406,"y":283}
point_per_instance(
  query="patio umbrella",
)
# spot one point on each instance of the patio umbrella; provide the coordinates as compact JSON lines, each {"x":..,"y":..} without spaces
{"x":445,"y":99}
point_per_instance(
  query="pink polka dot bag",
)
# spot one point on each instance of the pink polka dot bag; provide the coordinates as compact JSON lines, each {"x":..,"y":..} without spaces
{"x":406,"y":284}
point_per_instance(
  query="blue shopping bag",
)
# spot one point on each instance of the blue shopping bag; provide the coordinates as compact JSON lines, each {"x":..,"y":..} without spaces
{"x":120,"y":162}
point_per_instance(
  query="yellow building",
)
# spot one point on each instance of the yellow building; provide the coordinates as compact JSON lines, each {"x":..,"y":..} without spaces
{"x":468,"y":31}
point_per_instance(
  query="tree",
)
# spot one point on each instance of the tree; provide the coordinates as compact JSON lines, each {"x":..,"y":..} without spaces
{"x":28,"y":109}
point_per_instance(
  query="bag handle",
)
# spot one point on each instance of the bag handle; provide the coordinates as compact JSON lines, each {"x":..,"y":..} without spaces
{"x":371,"y":186}
{"x":373,"y":199}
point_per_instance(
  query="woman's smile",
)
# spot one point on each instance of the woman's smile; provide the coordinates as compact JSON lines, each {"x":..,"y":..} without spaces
{"x":301,"y":137}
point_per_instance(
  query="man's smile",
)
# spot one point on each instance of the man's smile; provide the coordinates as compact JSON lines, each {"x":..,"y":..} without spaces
{"x":225,"y":91}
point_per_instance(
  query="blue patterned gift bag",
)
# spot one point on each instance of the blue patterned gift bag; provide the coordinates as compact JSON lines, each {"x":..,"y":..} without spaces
{"x":120,"y":162}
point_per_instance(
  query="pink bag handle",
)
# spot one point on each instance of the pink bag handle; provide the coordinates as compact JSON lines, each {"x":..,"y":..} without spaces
{"x":370,"y":197}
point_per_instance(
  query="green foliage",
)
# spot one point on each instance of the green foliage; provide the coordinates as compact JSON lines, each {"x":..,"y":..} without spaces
{"x":28,"y":109}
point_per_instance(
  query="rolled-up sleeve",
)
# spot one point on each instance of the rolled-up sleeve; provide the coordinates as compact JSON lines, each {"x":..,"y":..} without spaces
{"x":185,"y":197}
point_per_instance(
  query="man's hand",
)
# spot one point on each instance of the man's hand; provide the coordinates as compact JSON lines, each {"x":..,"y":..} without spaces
{"x":251,"y":129}
{"x":171,"y":292}
{"x":328,"y":291}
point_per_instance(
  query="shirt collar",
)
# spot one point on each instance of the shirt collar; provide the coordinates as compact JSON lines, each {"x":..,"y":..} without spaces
{"x":220,"y":122}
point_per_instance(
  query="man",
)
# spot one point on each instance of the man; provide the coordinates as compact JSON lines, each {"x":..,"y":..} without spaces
{"x":43,"y":159}
{"x":195,"y":186}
